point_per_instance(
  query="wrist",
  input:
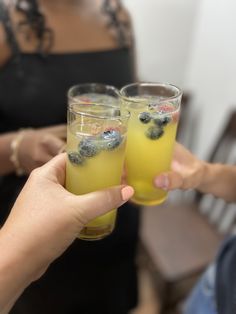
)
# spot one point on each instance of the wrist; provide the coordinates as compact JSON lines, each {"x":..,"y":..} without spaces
{"x":18,"y":262}
{"x":16,"y":271}
{"x":14,"y":276}
{"x":14,"y":151}
{"x":208,"y":171}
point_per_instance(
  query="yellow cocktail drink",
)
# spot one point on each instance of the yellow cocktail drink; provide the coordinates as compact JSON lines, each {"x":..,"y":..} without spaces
{"x":158,"y":152}
{"x":96,"y":141}
{"x":93,"y":165}
{"x":150,"y":141}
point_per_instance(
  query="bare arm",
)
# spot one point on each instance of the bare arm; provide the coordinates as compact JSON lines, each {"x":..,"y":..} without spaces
{"x":6,"y":166}
{"x":15,"y":273}
{"x":189,"y":172}
{"x":33,"y":147}
{"x":5,"y":51}
{"x":219,"y":180}
{"x":27,"y":249}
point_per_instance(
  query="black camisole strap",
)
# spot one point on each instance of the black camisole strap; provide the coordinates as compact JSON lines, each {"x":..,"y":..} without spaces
{"x":11,"y":39}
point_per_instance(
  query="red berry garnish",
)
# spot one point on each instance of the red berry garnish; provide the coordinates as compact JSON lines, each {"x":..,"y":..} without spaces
{"x":85,"y":99}
{"x":113,"y":129}
{"x":166,"y":108}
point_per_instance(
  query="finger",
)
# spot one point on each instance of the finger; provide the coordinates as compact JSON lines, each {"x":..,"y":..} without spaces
{"x":58,"y":130}
{"x":169,"y":181}
{"x":55,"y":169}
{"x":52,"y":144}
{"x":92,"y":205}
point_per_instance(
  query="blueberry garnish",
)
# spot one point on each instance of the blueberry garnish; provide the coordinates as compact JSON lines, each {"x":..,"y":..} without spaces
{"x":162,"y":121}
{"x":88,"y":148}
{"x":154,"y":132}
{"x":112,"y":139}
{"x":75,"y":158}
{"x":145,"y":117}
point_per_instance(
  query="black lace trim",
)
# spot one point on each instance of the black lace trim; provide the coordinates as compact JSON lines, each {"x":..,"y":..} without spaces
{"x":37,"y":22}
{"x":121,"y":28}
{"x":10,"y":36}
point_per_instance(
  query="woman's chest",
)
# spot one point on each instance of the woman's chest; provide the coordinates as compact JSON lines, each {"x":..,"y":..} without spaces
{"x":39,"y":96}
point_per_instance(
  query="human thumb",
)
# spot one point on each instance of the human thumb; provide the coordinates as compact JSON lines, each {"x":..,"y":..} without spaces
{"x":94,"y":204}
{"x":53,"y":145}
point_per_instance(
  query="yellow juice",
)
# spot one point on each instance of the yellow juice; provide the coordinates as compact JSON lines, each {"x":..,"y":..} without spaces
{"x":149,"y":151}
{"x":94,"y":162}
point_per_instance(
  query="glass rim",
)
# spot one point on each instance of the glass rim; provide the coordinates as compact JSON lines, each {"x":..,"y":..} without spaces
{"x":107,"y":86}
{"x":137,"y":100}
{"x":122,"y":116}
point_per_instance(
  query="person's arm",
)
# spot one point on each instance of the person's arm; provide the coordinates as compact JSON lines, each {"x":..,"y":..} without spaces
{"x":30,"y":148}
{"x":16,"y":272}
{"x":189,"y":172}
{"x":6,"y":166}
{"x":5,"y":51}
{"x":44,"y":221}
{"x":219,"y":180}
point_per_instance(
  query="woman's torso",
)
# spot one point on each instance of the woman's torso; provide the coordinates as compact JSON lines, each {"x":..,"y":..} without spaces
{"x":33,"y":94}
{"x":83,"y":50}
{"x":33,"y":87}
{"x":33,"y":91}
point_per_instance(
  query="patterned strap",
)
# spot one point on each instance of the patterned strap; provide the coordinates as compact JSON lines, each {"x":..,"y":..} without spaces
{"x":6,"y":21}
{"x":121,"y":27}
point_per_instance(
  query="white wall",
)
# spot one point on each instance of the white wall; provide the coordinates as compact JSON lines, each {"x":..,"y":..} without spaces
{"x":163,"y":32}
{"x":212,"y":69}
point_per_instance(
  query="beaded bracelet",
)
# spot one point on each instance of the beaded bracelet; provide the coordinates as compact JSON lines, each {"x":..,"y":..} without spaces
{"x":14,"y":158}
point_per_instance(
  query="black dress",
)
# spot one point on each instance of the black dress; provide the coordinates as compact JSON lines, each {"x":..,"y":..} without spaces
{"x":90,"y":277}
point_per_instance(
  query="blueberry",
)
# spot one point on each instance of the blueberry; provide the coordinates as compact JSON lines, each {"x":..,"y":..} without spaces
{"x":75,"y":158}
{"x":162,"y":121}
{"x":112,"y":139}
{"x":88,"y":148}
{"x":145,"y":117}
{"x":154,"y":132}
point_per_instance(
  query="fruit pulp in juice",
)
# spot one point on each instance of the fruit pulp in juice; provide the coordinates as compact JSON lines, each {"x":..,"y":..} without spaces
{"x":94,"y":163}
{"x":150,"y":141}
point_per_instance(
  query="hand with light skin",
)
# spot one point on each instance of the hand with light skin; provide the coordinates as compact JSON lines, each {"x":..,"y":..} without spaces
{"x":189,"y":172}
{"x":38,"y":146}
{"x":35,"y":147}
{"x":43,"y":222}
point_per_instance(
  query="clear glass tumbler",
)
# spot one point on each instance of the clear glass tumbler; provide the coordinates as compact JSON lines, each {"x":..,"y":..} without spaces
{"x":155,"y":109}
{"x":96,"y":140}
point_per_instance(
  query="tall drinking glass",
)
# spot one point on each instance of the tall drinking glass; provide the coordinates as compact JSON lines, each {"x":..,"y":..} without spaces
{"x":96,"y":138}
{"x":155,"y":110}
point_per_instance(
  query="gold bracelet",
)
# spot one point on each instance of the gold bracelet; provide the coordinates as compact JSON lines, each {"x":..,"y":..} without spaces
{"x":14,"y":158}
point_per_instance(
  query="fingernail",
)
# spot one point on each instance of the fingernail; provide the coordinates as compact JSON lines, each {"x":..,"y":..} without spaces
{"x":162,"y":182}
{"x":126,"y":193}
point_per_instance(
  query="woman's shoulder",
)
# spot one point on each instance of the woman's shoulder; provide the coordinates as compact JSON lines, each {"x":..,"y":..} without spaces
{"x":5,"y":50}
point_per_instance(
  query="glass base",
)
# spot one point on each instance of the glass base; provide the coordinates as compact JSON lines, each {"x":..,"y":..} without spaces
{"x":95,"y":233}
{"x":145,"y":202}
